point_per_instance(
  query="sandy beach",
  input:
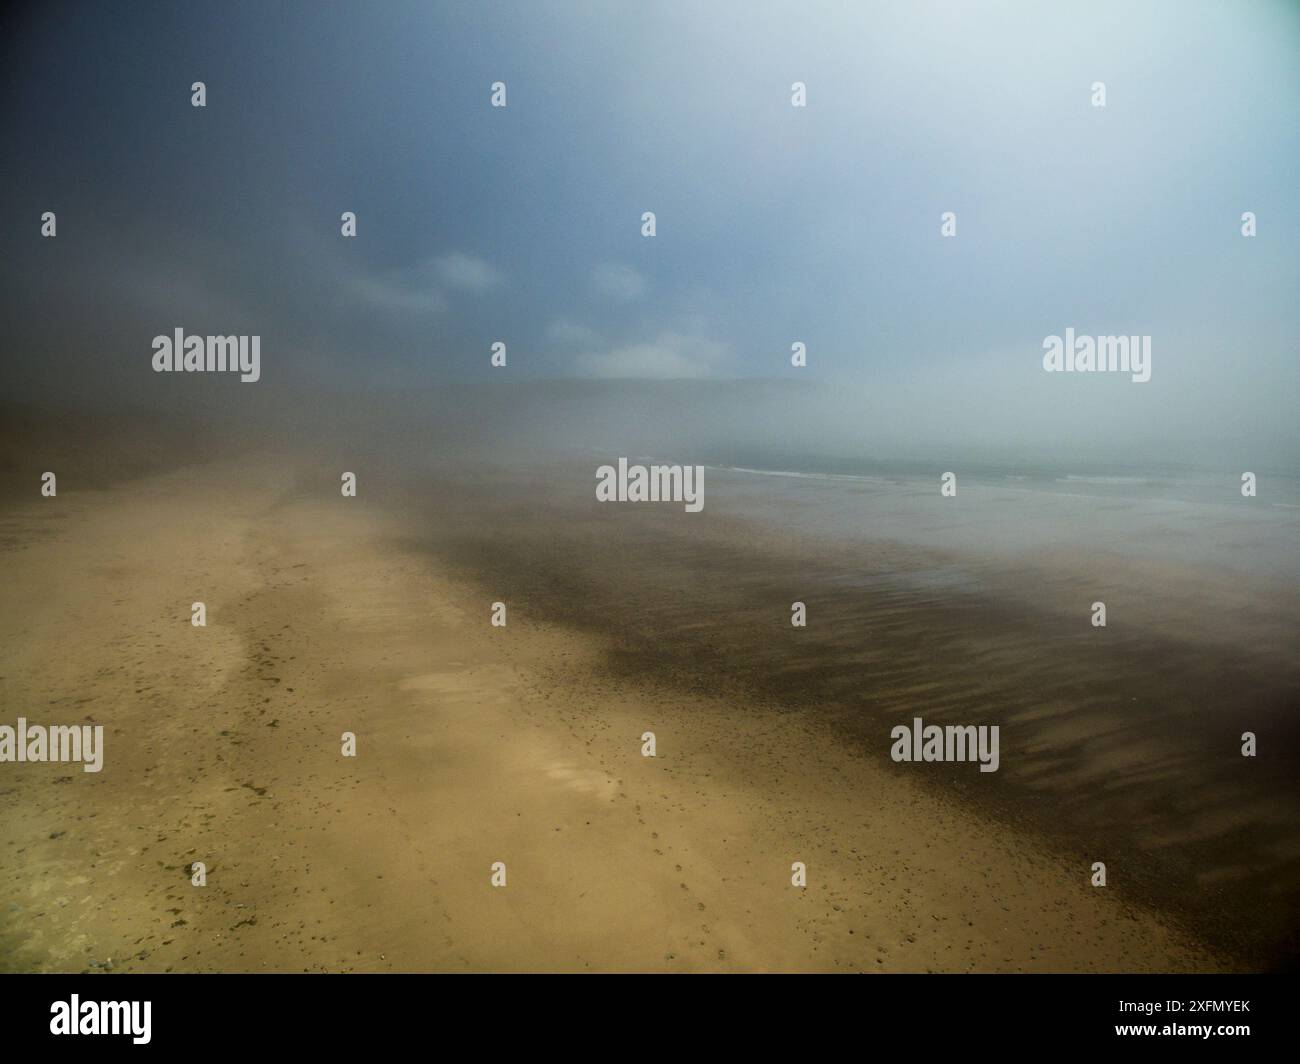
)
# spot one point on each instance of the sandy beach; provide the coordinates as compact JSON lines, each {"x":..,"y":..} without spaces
{"x":475,"y":744}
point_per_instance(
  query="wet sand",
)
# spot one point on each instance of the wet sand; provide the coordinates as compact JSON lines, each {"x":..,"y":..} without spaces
{"x":1120,"y":744}
{"x":519,"y":744}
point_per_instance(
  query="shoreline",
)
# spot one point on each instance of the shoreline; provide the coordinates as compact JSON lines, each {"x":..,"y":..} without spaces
{"x":1119,"y":745}
{"x":475,"y":745}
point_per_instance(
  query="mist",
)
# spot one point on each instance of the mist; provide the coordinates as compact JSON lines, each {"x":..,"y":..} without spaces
{"x":776,"y":225}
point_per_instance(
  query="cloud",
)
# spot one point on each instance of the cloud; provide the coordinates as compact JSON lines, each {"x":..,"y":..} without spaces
{"x":618,"y":282}
{"x":572,"y":335}
{"x":411,"y":288}
{"x":422,"y":287}
{"x":466,"y":272}
{"x":669,"y":356}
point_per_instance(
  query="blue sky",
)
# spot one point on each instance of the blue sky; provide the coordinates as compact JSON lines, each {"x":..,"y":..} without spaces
{"x":775,"y":224}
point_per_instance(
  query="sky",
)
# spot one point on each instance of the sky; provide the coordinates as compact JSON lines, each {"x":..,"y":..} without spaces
{"x":775,"y":224}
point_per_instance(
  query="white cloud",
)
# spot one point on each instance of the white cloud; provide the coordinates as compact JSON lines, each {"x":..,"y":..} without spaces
{"x":618,"y":282}
{"x":421,"y":288}
{"x":572,"y":335}
{"x":412,"y":288}
{"x":669,"y":356}
{"x":467,"y":272}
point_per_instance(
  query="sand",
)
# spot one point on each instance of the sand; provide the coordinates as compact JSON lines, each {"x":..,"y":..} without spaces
{"x":1120,"y":744}
{"x":475,"y":745}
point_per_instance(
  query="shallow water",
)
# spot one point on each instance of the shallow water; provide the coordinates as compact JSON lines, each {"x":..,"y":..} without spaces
{"x":1191,"y":520}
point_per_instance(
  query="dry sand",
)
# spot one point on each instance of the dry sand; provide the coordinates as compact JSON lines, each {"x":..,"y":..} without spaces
{"x":475,"y":744}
